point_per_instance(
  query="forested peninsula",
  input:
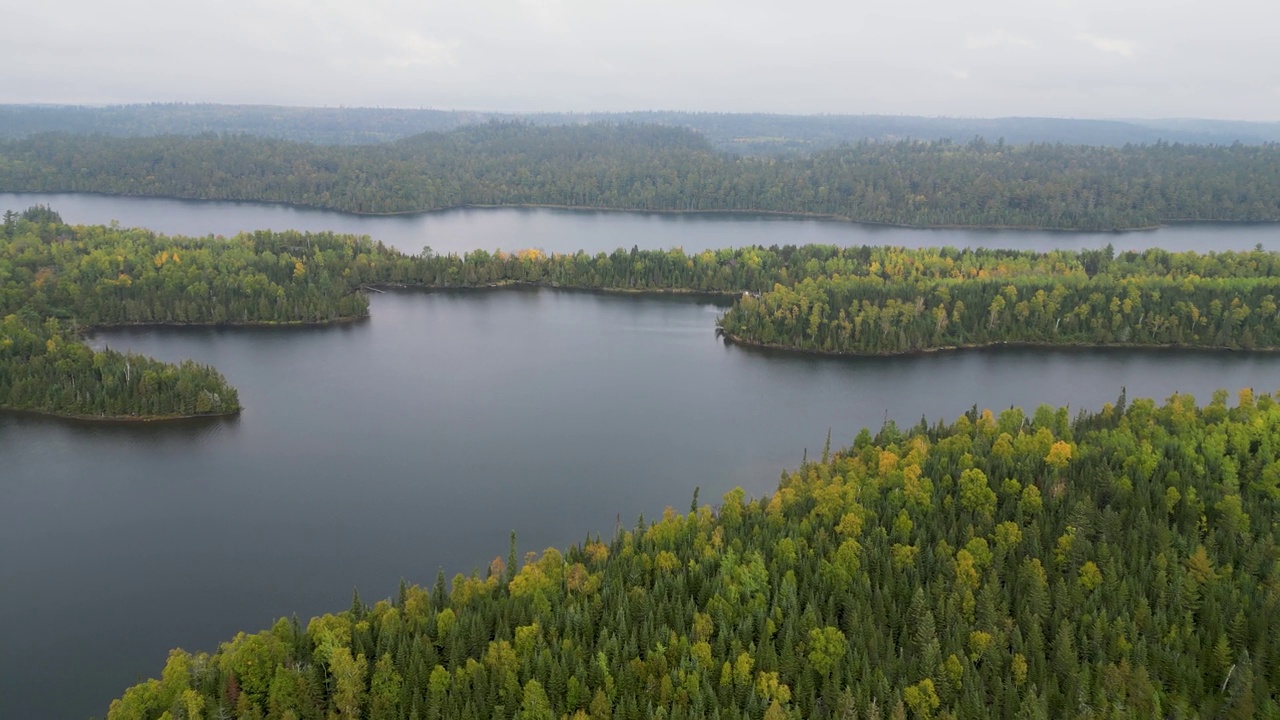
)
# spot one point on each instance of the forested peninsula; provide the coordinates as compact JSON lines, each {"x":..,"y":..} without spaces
{"x":672,"y":169}
{"x":57,"y":280}
{"x":926,"y":300}
{"x":1119,"y":564}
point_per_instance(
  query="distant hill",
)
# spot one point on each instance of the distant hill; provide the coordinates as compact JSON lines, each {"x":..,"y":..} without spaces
{"x":748,"y":134}
{"x":326,"y":126}
{"x":664,"y":168}
{"x":790,"y":134}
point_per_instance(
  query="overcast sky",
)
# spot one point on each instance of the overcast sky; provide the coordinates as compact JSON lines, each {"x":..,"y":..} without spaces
{"x":1069,"y":58}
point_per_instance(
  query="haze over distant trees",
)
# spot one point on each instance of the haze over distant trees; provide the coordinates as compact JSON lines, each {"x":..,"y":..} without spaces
{"x":661,"y":168}
{"x":745,"y":133}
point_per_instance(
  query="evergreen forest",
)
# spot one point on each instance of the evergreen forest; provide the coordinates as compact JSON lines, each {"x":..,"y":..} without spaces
{"x":666,"y":168}
{"x":1117,"y":564}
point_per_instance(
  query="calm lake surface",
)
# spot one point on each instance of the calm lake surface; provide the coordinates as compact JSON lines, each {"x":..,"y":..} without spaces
{"x":572,"y":230}
{"x":420,"y":438}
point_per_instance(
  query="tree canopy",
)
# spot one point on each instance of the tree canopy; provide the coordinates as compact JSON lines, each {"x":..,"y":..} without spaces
{"x":909,"y":301}
{"x":1119,"y":564}
{"x":674,"y":169}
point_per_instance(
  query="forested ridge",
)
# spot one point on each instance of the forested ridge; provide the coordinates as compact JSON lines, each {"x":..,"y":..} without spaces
{"x":1121,"y":564}
{"x":670,"y":169}
{"x":747,"y":133}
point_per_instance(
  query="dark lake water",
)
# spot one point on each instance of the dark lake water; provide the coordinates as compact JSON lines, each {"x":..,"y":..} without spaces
{"x":572,"y":230}
{"x":421,"y":438}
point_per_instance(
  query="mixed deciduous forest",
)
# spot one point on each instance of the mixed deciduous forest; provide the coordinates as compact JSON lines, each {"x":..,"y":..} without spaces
{"x":102,"y":275}
{"x":670,"y":169}
{"x":1155,"y":298}
{"x":881,"y":300}
{"x":45,"y":368}
{"x":56,"y":279}
{"x":1119,"y":564}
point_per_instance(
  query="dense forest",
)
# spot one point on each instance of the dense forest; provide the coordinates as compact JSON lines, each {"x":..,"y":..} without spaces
{"x":56,"y":279}
{"x":742,"y":133}
{"x":111,"y":276}
{"x":670,"y":169}
{"x":1226,"y":300}
{"x":1121,"y":564}
{"x":45,"y":368}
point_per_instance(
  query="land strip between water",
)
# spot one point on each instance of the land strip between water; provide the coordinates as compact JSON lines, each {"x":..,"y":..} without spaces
{"x":58,"y":280}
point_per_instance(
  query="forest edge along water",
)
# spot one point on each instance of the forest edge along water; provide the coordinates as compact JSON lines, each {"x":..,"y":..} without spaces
{"x":994,"y":345}
{"x":828,"y":299}
{"x":573,"y":408}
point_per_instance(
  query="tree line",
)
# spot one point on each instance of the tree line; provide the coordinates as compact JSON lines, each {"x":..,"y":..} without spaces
{"x":856,"y":316}
{"x":1119,"y":564}
{"x":745,"y":133}
{"x":863,"y":300}
{"x":672,"y":169}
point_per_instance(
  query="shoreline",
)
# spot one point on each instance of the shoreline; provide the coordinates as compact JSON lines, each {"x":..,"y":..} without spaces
{"x":1021,"y":344}
{"x":795,"y":214}
{"x":829,"y":217}
{"x":518,"y":284}
{"x":88,"y":331}
{"x":120,"y":419}
{"x":342,"y":320}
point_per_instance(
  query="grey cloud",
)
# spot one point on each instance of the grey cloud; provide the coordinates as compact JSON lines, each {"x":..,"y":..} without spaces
{"x":1077,"y":58}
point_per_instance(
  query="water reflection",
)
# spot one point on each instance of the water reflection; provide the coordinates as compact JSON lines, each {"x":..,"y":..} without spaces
{"x":75,"y":430}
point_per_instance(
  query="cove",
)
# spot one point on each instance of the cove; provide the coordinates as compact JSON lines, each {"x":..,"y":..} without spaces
{"x":418,"y":440}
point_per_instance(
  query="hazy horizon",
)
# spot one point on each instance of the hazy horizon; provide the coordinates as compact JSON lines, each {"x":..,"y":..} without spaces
{"x":637,"y":110}
{"x":1084,"y":59}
